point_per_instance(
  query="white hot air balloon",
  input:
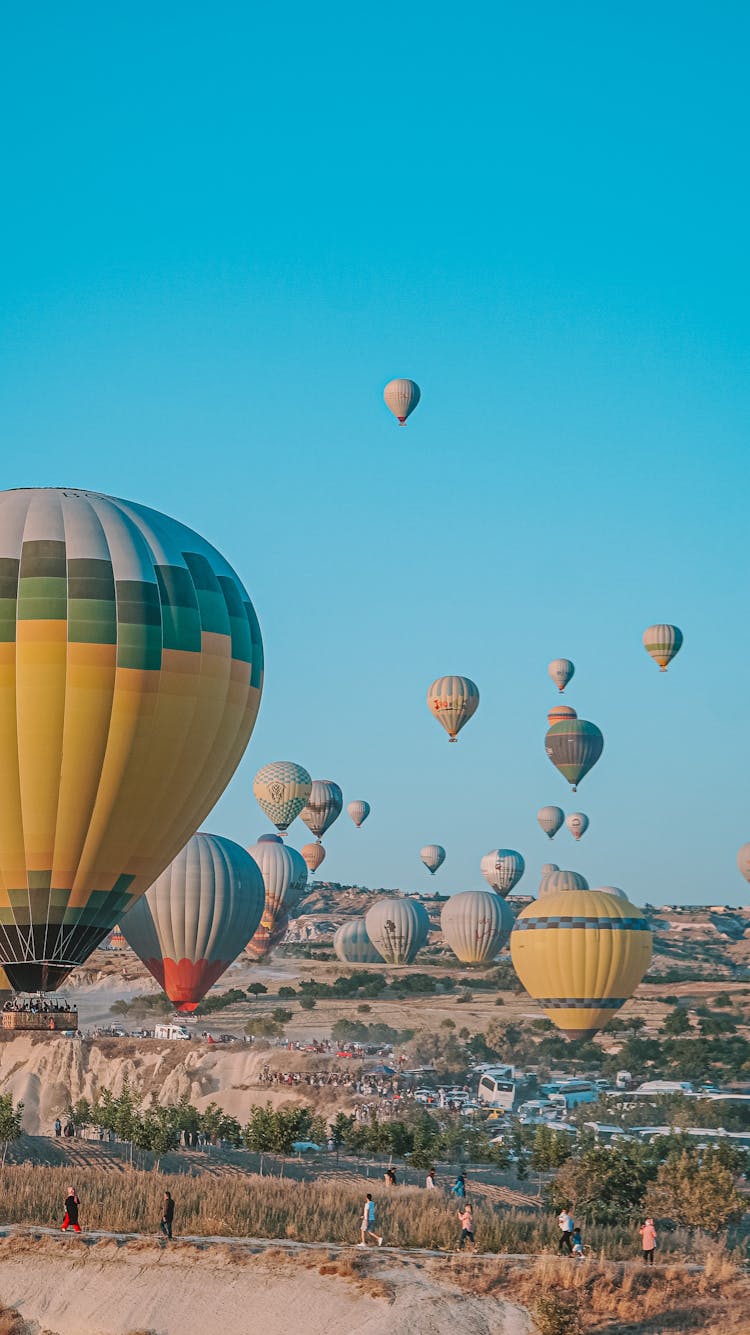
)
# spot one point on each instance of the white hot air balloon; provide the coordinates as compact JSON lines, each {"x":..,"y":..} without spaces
{"x":359,"y":811}
{"x":502,"y":869}
{"x":396,"y":929}
{"x":561,"y":670}
{"x":352,"y":945}
{"x":611,"y":890}
{"x":476,"y":924}
{"x":550,"y":819}
{"x":402,"y":397}
{"x":577,"y":823}
{"x":323,"y":806}
{"x":563,"y":880}
{"x":433,"y":857}
{"x":547,"y":869}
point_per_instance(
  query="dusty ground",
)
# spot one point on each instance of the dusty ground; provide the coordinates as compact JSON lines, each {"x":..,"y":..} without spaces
{"x":70,"y":1287}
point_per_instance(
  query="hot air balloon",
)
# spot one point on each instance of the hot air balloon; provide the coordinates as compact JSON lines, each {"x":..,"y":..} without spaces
{"x":323,"y":806}
{"x":131,"y":664}
{"x":545,"y":872}
{"x":265,"y":938}
{"x":476,"y":924}
{"x":574,"y":748}
{"x":402,"y":397}
{"x":452,"y":701}
{"x":611,"y":890}
{"x":359,"y":811}
{"x":743,"y":861}
{"x":352,"y":944}
{"x":581,"y":954}
{"x":559,"y":714}
{"x":197,"y":917}
{"x":396,"y":929}
{"x":558,"y":882}
{"x":561,"y":670}
{"x":433,"y":856}
{"x":577,"y":823}
{"x":502,"y":869}
{"x":269,"y":839}
{"x":285,"y":879}
{"x":281,"y":790}
{"x":550,"y":819}
{"x":314,"y":855}
{"x":662,"y":643}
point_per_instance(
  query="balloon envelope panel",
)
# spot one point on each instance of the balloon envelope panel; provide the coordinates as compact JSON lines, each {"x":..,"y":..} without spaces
{"x":131,"y":670}
{"x":476,"y":924}
{"x":197,"y":917}
{"x":581,"y":954}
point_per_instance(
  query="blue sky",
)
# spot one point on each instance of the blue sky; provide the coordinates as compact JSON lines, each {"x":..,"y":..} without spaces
{"x":224,"y":231}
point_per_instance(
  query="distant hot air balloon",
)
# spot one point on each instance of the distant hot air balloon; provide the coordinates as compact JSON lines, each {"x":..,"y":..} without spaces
{"x":577,"y":823}
{"x":662,"y":642}
{"x":545,"y":872}
{"x":402,"y":397}
{"x":550,"y":819}
{"x":743,"y":861}
{"x":559,"y":882}
{"x":197,"y":917}
{"x":352,"y":945}
{"x":396,"y":929}
{"x":269,"y":839}
{"x":559,"y":714}
{"x":502,"y":869}
{"x":476,"y":924}
{"x":581,"y":954}
{"x":611,"y":890}
{"x":452,"y":701}
{"x":131,"y":669}
{"x":561,"y":670}
{"x":285,"y":880}
{"x":574,"y":748}
{"x":323,"y":806}
{"x":314,"y":855}
{"x":359,"y":811}
{"x":281,"y":790}
{"x":433,"y":856}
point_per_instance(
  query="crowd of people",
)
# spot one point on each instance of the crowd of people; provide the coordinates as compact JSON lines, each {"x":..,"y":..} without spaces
{"x":39,"y":1006}
{"x":571,"y":1242}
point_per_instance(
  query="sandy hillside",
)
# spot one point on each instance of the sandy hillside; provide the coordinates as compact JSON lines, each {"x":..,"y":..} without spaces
{"x":67,"y":1287}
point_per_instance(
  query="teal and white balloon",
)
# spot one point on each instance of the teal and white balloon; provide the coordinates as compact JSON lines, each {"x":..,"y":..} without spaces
{"x":550,"y":819}
{"x":402,"y":397}
{"x":359,"y":811}
{"x":561,"y":670}
{"x":281,"y":790}
{"x":433,"y":857}
{"x":323,"y":806}
{"x":352,"y":945}
{"x":502,"y":869}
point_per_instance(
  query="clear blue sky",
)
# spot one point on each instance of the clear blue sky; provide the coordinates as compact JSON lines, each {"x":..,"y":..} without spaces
{"x":225,"y":229}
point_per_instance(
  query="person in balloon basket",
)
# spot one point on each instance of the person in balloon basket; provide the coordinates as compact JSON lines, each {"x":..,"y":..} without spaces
{"x":167,"y":1215}
{"x":367,"y":1225}
{"x":71,"y":1211}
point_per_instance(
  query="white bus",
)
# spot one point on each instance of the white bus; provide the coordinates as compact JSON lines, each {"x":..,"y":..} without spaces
{"x":499,"y":1087}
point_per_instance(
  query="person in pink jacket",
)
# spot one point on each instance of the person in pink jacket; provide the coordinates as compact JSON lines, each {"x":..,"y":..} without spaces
{"x":648,"y":1241}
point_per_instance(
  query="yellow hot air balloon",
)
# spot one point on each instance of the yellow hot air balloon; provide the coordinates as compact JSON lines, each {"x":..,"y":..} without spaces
{"x":452,"y":701}
{"x":581,"y":954}
{"x":131,"y":669}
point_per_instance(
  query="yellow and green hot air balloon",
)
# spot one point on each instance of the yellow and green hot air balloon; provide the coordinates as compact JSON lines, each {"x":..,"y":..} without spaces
{"x":662,"y":642}
{"x":581,"y":954}
{"x":131,"y":669}
{"x":452,"y":701}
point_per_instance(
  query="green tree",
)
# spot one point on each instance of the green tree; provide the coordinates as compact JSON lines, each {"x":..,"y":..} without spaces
{"x":605,"y":1184}
{"x":259,"y":1133}
{"x":695,"y":1192}
{"x":307,"y":1003}
{"x":257,"y":990}
{"x":11,"y":1123}
{"x":676,"y":1023}
{"x":549,"y":1150}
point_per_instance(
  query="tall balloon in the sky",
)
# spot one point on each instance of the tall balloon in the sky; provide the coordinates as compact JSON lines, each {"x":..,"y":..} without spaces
{"x":131,"y":669}
{"x":581,"y":954}
{"x":396,"y":929}
{"x":502,"y":869}
{"x":574,"y":748}
{"x":323,"y":806}
{"x":577,"y":823}
{"x":452,"y":701}
{"x":359,"y":811}
{"x":402,"y":397}
{"x":313,"y":855}
{"x":560,"y":714}
{"x":285,"y":879}
{"x":743,"y":861}
{"x":197,"y":917}
{"x":550,"y":819}
{"x":662,"y":642}
{"x":561,"y":670}
{"x":476,"y":924}
{"x":433,"y":856}
{"x":281,"y":790}
{"x":352,"y":945}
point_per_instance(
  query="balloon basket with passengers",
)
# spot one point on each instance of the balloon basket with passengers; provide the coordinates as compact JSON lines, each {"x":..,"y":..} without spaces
{"x":39,"y":1014}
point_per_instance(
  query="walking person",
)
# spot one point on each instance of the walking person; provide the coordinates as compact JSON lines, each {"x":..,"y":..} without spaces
{"x":430,"y":1182}
{"x":58,"y":1127}
{"x":167,"y":1215}
{"x":367,"y":1225}
{"x":459,"y":1189}
{"x":566,"y":1226}
{"x":466,"y":1217}
{"x":71,"y":1211}
{"x":648,"y":1241}
{"x":577,"y":1243}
